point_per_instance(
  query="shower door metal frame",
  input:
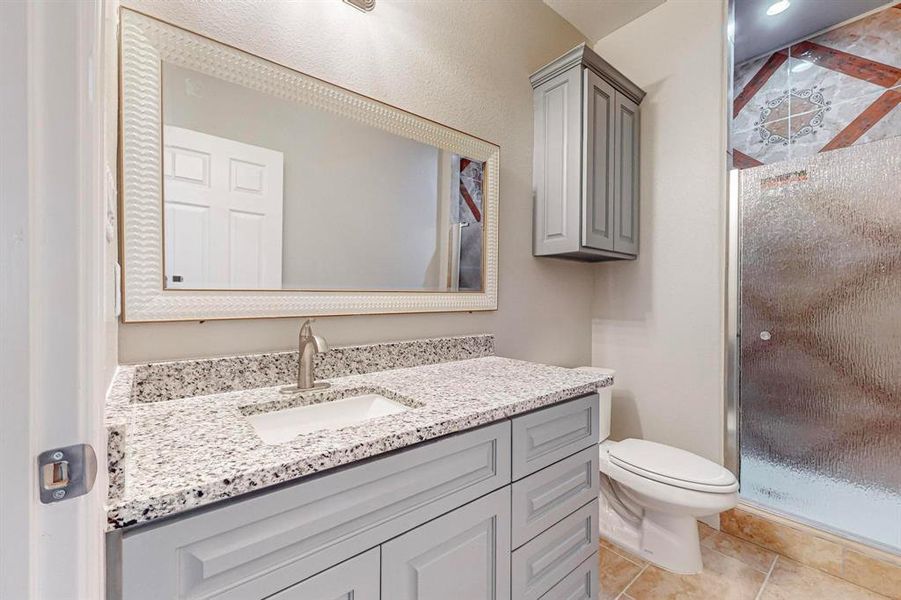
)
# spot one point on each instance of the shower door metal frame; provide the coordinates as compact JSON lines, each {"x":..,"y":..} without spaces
{"x":732,"y":326}
{"x":731,"y":413}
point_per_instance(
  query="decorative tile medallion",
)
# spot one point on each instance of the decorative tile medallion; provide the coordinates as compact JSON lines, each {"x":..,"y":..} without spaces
{"x":792,"y":115}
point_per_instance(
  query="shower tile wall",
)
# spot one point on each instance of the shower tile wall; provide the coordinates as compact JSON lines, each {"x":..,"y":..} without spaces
{"x":470,"y":212}
{"x":838,"y":89}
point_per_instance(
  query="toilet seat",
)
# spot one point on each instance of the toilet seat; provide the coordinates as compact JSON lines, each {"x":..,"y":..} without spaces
{"x":672,"y":466}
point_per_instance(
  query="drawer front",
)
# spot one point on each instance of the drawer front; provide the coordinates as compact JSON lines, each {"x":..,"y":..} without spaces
{"x":354,"y":579}
{"x":540,"y":564}
{"x":463,"y":555}
{"x":272,"y":541}
{"x":543,"y":437}
{"x":545,"y":497}
{"x":581,"y":584}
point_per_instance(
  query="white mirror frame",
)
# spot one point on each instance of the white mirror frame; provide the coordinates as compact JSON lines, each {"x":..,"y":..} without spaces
{"x":146,"y":43}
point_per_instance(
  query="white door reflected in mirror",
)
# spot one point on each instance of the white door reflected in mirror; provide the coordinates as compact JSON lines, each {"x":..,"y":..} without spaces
{"x":223,"y":212}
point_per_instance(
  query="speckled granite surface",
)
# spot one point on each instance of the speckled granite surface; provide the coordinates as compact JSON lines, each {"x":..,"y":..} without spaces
{"x":189,"y":452}
{"x":187,"y":378}
{"x":154,"y":382}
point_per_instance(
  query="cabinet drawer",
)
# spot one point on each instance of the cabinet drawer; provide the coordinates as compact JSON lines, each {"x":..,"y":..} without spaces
{"x":258,"y":546}
{"x":582,"y":584}
{"x":543,"y":437}
{"x":541,"y":563}
{"x":354,"y":579}
{"x":545,"y":497}
{"x":464,"y":554}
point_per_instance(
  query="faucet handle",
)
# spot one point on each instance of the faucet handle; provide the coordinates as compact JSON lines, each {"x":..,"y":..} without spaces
{"x":308,"y":322}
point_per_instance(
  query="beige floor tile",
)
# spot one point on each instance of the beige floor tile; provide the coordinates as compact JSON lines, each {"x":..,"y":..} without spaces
{"x":605,"y":543}
{"x":787,"y":541}
{"x":705,"y":531}
{"x":748,"y":553}
{"x":877,"y":575}
{"x":793,"y":581}
{"x":616,"y":573}
{"x":723,"y":578}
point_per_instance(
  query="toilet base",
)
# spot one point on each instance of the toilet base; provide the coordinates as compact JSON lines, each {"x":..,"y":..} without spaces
{"x":671,"y":542}
{"x":668,"y":541}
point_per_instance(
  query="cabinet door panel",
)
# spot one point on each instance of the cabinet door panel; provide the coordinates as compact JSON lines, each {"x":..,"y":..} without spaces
{"x":354,"y":579}
{"x":582,"y":584}
{"x":545,"y":436}
{"x":626,"y":157}
{"x":545,"y":497}
{"x":597,"y":177}
{"x":540,"y":564}
{"x":464,"y":554}
{"x":558,"y":107}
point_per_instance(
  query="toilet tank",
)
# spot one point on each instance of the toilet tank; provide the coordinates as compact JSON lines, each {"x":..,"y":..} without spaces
{"x":606,"y":401}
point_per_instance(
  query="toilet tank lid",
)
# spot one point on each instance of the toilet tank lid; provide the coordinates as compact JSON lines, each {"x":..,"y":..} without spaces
{"x":670,"y":463}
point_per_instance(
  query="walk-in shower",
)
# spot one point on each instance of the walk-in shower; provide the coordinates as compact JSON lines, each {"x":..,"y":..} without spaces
{"x":814,"y":419}
{"x":820,"y":343}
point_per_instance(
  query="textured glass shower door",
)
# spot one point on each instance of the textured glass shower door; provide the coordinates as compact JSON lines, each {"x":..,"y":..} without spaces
{"x":820,"y":351}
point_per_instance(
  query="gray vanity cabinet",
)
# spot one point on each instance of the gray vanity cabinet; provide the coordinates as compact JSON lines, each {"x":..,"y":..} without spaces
{"x":505,"y":511}
{"x":464,"y":554}
{"x":354,"y":579}
{"x":585,"y":162}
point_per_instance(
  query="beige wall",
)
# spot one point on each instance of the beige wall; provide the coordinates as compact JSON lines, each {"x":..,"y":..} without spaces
{"x":465,"y":64}
{"x":659,"y":321}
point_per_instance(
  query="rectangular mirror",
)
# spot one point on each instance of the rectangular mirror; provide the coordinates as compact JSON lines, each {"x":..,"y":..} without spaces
{"x":251,"y":190}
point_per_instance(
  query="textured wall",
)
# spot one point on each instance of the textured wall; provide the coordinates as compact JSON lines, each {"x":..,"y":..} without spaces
{"x":659,"y":321}
{"x":465,"y":64}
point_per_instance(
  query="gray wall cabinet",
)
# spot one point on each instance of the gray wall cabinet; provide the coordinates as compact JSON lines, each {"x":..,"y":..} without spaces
{"x":479,"y":514}
{"x":585,"y":162}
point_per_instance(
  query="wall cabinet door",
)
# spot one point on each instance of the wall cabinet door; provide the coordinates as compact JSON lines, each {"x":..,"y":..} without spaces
{"x":556,"y":174}
{"x":625,"y":196}
{"x":597,"y":149}
{"x":464,"y":554}
{"x":354,"y":579}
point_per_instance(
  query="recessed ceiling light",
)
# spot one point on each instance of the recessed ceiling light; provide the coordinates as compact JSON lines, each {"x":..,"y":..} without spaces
{"x":801,"y":66}
{"x":778,"y":7}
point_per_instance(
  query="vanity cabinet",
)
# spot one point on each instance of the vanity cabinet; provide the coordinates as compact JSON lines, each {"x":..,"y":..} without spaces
{"x":586,"y":159}
{"x":464,"y":554}
{"x":354,"y":579}
{"x":507,"y":510}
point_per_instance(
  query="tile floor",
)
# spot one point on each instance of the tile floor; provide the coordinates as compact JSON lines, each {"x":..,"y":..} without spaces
{"x":734,"y":569}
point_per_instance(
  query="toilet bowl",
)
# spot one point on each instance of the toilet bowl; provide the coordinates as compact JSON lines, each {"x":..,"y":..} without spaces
{"x":652,"y":495}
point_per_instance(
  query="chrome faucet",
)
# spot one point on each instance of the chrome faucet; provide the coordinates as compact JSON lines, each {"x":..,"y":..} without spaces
{"x":308,"y":345}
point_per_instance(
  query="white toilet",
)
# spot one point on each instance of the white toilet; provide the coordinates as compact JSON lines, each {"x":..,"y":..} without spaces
{"x":652,"y":494}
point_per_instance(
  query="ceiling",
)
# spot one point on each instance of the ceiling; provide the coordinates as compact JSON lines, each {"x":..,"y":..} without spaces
{"x":757,"y":33}
{"x":596,"y":18}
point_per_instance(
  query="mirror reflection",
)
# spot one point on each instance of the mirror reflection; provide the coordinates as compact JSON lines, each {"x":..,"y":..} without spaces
{"x":262,"y":192}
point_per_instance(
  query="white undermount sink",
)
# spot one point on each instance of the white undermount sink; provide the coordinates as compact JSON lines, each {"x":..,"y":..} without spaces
{"x":279,"y":426}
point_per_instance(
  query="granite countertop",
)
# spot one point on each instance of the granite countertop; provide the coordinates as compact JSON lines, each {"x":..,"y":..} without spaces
{"x":183,"y":453}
